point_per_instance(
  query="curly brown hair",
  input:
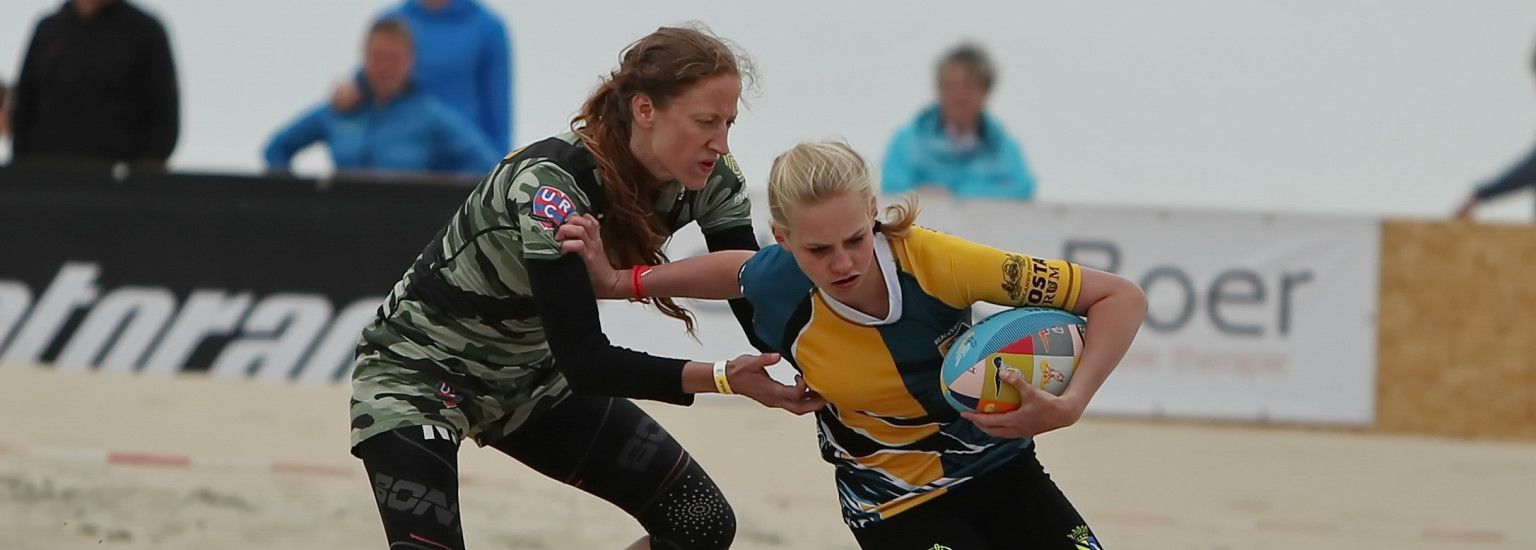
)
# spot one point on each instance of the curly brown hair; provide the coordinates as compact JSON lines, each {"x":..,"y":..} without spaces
{"x":663,"y":65}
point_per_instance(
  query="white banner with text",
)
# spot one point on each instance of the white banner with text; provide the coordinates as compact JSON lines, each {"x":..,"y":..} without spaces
{"x":1252,"y":316}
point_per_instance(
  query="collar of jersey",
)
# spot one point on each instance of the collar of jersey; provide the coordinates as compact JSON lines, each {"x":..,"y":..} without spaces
{"x":887,"y":264}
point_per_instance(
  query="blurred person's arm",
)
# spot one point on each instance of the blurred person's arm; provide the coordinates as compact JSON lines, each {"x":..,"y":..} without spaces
{"x":897,"y":175}
{"x":288,"y":141}
{"x":495,"y":84}
{"x":460,"y":146}
{"x":1021,"y":180}
{"x":1517,"y":177}
{"x":161,"y":125}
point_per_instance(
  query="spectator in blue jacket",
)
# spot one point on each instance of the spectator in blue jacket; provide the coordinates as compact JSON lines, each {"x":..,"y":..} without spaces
{"x":955,"y":147}
{"x":397,"y":127}
{"x":463,"y":57}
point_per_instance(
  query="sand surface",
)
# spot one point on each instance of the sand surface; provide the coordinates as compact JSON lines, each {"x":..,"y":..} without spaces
{"x":1140,"y":484}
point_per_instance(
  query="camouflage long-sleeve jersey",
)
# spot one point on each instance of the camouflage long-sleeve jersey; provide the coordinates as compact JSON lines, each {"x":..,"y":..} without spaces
{"x":461,"y":340}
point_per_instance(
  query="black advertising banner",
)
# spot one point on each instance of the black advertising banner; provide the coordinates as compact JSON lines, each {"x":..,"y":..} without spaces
{"x":270,"y":278}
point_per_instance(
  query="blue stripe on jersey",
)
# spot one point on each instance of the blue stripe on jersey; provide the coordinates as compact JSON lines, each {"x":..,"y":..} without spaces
{"x":776,"y":287}
{"x":913,"y":349}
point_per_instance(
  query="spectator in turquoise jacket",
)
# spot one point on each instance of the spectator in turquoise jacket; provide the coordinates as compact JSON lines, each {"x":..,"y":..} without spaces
{"x":955,"y":147}
{"x":397,"y":128}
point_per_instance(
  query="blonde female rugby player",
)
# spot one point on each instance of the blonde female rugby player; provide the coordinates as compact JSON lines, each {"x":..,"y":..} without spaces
{"x":864,"y":309}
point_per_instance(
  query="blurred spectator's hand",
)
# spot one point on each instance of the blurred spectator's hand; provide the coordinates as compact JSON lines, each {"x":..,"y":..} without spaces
{"x":1464,"y":212}
{"x":5,"y":110}
{"x":345,"y":96}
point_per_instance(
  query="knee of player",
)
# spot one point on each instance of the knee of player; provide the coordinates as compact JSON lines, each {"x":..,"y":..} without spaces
{"x":724,"y":525}
{"x":711,"y":530}
{"x":695,"y":517}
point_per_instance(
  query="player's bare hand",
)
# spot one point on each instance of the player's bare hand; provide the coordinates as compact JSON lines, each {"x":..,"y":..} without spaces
{"x":583,"y":236}
{"x":748,"y":376}
{"x":1039,"y":412}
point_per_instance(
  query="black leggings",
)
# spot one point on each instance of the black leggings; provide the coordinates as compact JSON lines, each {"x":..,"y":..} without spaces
{"x":604,"y":446}
{"x":1015,"y":506}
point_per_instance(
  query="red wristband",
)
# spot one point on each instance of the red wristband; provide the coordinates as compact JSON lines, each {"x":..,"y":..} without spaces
{"x":635,"y":274}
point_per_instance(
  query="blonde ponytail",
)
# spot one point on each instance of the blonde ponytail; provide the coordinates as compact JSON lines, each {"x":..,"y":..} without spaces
{"x":900,"y":216}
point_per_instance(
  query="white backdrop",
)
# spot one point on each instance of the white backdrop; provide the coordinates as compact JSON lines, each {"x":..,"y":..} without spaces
{"x":1251,"y":317}
{"x":1360,"y":106}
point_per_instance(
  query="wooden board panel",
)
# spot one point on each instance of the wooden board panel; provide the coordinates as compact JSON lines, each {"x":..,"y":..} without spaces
{"x":1457,"y":330}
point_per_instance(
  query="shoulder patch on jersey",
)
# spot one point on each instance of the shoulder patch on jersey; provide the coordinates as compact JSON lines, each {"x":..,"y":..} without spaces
{"x":772,"y":273}
{"x":1013,"y":275}
{"x":551,"y":207}
{"x":730,"y":162}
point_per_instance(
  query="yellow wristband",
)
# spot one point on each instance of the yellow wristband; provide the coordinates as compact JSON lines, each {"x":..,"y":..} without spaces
{"x":721,"y":384}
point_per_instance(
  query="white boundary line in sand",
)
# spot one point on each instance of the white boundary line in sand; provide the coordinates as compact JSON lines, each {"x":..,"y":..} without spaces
{"x":184,"y":461}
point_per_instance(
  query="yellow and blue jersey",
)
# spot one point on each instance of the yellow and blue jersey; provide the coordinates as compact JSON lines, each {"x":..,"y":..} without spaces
{"x":894,"y":440}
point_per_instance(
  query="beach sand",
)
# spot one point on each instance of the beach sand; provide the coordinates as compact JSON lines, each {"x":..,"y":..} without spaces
{"x":217,"y":464}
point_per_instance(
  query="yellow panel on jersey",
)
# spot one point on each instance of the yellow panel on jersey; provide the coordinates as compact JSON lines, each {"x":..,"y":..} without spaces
{"x":961,"y":273}
{"x":894,"y":439}
{"x":865,"y":380}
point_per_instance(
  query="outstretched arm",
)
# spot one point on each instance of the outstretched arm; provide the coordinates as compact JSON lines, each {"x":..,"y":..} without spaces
{"x":1517,"y":177}
{"x":740,"y":238}
{"x":593,"y":365}
{"x":714,"y":276}
{"x":562,"y":295}
{"x":708,"y":277}
{"x":288,"y":141}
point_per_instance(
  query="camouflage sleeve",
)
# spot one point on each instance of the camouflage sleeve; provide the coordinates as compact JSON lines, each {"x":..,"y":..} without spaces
{"x":543,"y":196}
{"x":723,"y":202}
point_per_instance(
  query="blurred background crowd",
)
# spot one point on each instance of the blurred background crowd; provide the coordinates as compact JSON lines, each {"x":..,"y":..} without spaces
{"x":432,"y":87}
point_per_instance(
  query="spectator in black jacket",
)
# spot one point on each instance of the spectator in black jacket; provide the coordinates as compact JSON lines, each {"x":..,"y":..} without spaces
{"x":97,"y":83}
